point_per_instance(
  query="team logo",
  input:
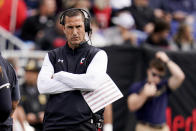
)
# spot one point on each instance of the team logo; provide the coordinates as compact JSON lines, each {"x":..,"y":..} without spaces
{"x":82,"y":61}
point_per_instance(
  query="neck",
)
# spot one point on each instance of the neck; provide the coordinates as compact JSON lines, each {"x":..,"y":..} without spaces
{"x":76,"y":45}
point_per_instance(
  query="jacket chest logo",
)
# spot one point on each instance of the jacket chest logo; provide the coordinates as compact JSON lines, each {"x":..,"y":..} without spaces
{"x":82,"y":61}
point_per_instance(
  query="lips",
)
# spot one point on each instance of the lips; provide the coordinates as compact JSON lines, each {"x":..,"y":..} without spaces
{"x":75,"y":38}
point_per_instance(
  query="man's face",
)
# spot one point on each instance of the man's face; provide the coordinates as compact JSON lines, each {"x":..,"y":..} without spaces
{"x":31,"y":77}
{"x":74,"y":30}
{"x":154,"y":76}
{"x":49,"y":7}
{"x":164,"y":34}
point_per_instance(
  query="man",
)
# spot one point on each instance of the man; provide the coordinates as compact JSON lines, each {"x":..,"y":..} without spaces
{"x":67,"y":71}
{"x":149,"y":98}
{"x":9,"y":94}
{"x":33,"y":102}
{"x":158,"y":38}
{"x":143,"y":15}
{"x":42,"y":20}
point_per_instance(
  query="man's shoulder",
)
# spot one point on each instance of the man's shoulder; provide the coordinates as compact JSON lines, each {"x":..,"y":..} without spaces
{"x":93,"y":49}
{"x":55,"y":51}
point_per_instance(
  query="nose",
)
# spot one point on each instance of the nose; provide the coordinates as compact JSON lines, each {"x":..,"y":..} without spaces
{"x":74,"y":31}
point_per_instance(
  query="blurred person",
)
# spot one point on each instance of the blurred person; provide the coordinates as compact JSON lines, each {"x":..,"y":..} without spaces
{"x":143,"y":15}
{"x":34,"y":25}
{"x":123,"y":32}
{"x":12,"y":20}
{"x":98,"y":38}
{"x":102,"y":12}
{"x":20,"y":122}
{"x":149,"y":98}
{"x":108,"y":118}
{"x":32,"y":7}
{"x":179,"y":10}
{"x":68,"y":70}
{"x":183,"y":40}
{"x":19,"y":117}
{"x":84,"y":4}
{"x":158,"y":38}
{"x":117,"y":5}
{"x":9,"y":94}
{"x":32,"y":102}
{"x":68,"y":4}
{"x":52,"y":38}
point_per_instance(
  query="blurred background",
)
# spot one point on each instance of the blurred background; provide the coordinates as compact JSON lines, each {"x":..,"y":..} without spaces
{"x":130,"y":31}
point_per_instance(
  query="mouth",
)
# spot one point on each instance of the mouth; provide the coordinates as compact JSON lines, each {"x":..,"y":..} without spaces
{"x":75,"y":38}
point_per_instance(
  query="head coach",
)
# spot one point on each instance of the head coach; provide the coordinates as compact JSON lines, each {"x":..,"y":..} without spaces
{"x":69,"y":70}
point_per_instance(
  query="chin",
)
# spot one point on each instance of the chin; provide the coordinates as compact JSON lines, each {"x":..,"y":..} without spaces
{"x":76,"y":42}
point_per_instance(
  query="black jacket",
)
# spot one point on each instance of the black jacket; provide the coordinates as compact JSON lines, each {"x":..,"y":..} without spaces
{"x":68,"y":108}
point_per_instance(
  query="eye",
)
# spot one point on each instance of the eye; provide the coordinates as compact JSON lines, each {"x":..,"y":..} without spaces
{"x":78,"y":26}
{"x":70,"y":27}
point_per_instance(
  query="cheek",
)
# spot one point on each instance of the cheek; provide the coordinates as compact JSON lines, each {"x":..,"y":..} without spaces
{"x":81,"y":31}
{"x":157,"y":80}
{"x":150,"y":78}
{"x":67,"y":34}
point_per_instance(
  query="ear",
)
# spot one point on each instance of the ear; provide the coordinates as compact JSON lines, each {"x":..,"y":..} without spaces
{"x":148,"y":71}
{"x":63,"y":28}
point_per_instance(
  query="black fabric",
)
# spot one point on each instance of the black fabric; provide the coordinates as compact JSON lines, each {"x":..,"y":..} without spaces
{"x":5,"y":104}
{"x":68,"y":108}
{"x":52,"y":38}
{"x":5,"y":94}
{"x":15,"y":92}
{"x":31,"y":100}
{"x":85,"y":126}
{"x":160,"y":43}
{"x":34,"y":25}
{"x":128,"y":65}
{"x":9,"y":94}
{"x":141,"y":15}
{"x":6,"y":128}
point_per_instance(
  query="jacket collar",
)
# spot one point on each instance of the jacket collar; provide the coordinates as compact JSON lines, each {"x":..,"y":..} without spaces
{"x":81,"y":46}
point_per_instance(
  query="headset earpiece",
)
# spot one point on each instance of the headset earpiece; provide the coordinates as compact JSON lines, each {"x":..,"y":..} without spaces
{"x":62,"y":19}
{"x":87,"y":25}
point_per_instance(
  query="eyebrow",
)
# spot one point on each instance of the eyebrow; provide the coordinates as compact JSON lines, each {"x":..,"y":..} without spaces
{"x":70,"y":26}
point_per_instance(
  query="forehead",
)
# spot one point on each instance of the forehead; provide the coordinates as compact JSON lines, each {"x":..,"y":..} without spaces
{"x":73,"y":20}
{"x":49,"y":2}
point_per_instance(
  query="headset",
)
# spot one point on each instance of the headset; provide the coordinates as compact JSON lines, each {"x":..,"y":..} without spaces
{"x":86,"y":19}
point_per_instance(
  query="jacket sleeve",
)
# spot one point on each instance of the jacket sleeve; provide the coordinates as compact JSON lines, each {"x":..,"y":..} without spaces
{"x":4,"y":82}
{"x":88,"y":81}
{"x":46,"y":84}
